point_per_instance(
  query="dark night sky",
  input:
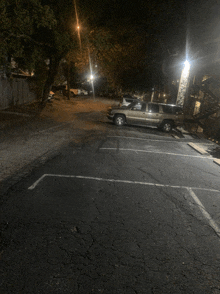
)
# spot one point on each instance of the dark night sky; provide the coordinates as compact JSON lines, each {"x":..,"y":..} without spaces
{"x":182,"y":27}
{"x":164,"y":18}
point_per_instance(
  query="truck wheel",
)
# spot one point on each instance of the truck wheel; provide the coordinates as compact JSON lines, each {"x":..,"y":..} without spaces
{"x":119,"y":120}
{"x":166,"y":126}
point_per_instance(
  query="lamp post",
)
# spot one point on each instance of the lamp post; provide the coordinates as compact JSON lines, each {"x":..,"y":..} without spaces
{"x":92,"y":84}
{"x":77,"y":25}
{"x":79,"y":37}
{"x":183,"y":85}
{"x":91,"y":77}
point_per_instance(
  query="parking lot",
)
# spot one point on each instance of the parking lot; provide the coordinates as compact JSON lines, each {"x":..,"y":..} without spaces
{"x":171,"y":161}
{"x":133,"y":210}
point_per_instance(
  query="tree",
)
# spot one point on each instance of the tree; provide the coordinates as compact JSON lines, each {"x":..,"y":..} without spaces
{"x":37,"y":35}
{"x":19,"y":21}
{"x":147,"y":33}
{"x":118,"y":55}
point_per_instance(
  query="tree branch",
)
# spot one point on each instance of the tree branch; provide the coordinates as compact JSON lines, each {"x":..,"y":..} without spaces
{"x":29,"y":38}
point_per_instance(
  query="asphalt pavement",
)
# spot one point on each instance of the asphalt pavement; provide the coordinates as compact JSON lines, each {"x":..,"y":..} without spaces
{"x":120,"y":210}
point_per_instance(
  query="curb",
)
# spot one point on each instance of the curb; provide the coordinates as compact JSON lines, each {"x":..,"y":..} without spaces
{"x":16,"y":113}
{"x":217,"y":161}
{"x":203,"y":152}
{"x":25,"y":171}
{"x":175,"y":136}
{"x":198,"y":149}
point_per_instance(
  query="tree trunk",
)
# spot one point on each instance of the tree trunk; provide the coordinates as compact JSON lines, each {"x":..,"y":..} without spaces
{"x":68,"y":80}
{"x":53,"y":68}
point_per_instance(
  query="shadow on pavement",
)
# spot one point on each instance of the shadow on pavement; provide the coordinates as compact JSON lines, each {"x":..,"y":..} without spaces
{"x":215,"y":152}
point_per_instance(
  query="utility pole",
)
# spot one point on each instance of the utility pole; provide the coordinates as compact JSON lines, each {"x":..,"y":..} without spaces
{"x":68,"y":79}
{"x":183,"y":85}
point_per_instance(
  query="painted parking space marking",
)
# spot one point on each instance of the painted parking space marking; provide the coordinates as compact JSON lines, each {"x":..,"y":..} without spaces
{"x":212,"y":223}
{"x":142,"y":139}
{"x":158,"y":152}
{"x":38,"y":181}
{"x":161,"y":140}
{"x":200,"y":206}
{"x":119,"y":181}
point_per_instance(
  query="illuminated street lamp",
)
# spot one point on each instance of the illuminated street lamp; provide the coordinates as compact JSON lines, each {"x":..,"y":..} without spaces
{"x":79,"y":37}
{"x":92,"y":83}
{"x":187,"y":66}
{"x":183,"y":84}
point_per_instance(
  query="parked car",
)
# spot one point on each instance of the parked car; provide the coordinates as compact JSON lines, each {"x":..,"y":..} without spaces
{"x":78,"y":92}
{"x":50,"y":96}
{"x":163,"y":116}
{"x":128,"y":99}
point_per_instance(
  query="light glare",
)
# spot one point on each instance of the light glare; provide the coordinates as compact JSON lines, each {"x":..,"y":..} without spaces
{"x":187,"y":65}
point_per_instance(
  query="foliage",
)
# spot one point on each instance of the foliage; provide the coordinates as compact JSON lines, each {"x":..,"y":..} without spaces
{"x":115,"y":53}
{"x":19,"y":22}
{"x":127,"y":40}
{"x":35,"y":31}
{"x":147,"y":32}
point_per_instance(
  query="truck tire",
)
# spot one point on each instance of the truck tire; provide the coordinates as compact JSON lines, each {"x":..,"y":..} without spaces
{"x":119,"y":120}
{"x":166,"y":126}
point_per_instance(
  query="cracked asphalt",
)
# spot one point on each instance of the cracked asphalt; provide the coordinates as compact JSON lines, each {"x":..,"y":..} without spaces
{"x":115,"y":210}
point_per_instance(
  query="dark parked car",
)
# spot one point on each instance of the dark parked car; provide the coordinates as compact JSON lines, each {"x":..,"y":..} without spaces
{"x":163,"y":116}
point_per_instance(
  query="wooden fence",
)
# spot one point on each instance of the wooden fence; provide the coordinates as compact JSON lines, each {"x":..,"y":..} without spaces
{"x":15,"y":92}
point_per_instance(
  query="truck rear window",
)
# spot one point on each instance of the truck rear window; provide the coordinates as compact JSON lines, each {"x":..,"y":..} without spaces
{"x":171,"y":109}
{"x":154,"y":108}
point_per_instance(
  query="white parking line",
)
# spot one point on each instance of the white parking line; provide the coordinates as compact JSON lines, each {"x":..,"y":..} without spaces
{"x":118,"y":181}
{"x":38,"y":181}
{"x":156,"y":140}
{"x":158,"y":152}
{"x":206,"y":215}
{"x":212,"y":223}
{"x":142,"y":139}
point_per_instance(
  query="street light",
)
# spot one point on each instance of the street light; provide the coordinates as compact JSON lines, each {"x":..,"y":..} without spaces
{"x":183,"y":84}
{"x":92,"y":84}
{"x":79,"y":37}
{"x":91,"y":78}
{"x":186,"y":66}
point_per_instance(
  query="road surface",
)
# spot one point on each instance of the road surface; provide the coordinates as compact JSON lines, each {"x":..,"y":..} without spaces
{"x":129,"y":210}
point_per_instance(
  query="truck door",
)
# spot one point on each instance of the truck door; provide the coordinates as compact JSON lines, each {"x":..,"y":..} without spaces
{"x":153,"y":114}
{"x":137,"y":113}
